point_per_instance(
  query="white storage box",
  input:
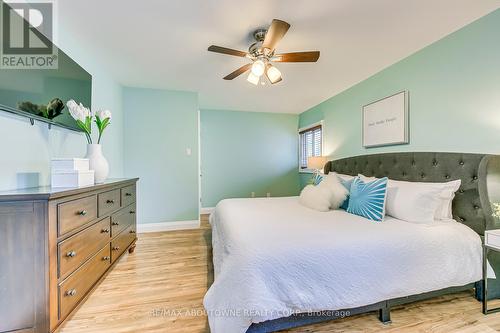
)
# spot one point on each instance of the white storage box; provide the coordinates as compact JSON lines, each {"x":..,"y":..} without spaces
{"x":72,"y":178}
{"x":70,"y":164}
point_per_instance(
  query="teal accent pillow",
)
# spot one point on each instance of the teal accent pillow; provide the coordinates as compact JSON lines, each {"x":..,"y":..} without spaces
{"x":316,"y":179}
{"x":368,"y":199}
{"x":347,"y":185}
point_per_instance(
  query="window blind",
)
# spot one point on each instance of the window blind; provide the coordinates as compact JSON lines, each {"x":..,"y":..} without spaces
{"x":310,"y":144}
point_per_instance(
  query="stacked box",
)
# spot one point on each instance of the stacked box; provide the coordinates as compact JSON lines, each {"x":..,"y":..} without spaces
{"x":71,"y":172}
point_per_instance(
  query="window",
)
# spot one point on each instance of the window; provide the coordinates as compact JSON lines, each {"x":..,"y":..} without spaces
{"x":310,"y":144}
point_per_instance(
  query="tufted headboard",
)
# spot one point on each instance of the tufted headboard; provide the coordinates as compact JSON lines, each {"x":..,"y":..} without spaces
{"x":480,"y":175}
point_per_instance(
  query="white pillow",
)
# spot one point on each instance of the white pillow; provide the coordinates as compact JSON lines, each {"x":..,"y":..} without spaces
{"x":315,"y":197}
{"x":420,"y":193}
{"x":443,"y":211}
{"x":330,"y":193}
{"x":446,"y":194}
{"x":412,"y":202}
{"x":338,"y":192}
{"x":345,"y":177}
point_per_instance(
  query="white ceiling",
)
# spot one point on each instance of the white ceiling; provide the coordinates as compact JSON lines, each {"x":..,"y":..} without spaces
{"x":163,"y":43}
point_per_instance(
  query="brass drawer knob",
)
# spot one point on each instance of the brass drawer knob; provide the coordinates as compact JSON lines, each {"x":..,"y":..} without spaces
{"x":106,"y":258}
{"x":105,"y":230}
{"x":128,"y":194}
{"x":71,"y":254}
{"x":132,"y":231}
{"x":110,"y":201}
{"x":116,"y":248}
{"x":71,"y":292}
{"x":82,"y":213}
{"x":115,"y":223}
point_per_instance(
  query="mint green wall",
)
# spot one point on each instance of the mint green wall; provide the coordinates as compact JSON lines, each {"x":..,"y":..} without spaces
{"x":26,"y":151}
{"x":244,"y":152}
{"x":454,"y":87}
{"x":159,"y":126}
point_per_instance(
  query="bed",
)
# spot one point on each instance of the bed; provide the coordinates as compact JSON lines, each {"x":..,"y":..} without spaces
{"x":278,"y":264}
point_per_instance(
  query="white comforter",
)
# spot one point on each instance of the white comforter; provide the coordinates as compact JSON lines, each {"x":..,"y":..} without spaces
{"x":274,"y":257}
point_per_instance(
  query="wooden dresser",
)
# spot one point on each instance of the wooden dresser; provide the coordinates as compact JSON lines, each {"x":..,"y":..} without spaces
{"x":55,"y":247}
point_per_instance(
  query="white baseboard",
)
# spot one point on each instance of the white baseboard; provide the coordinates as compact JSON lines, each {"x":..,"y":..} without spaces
{"x":207,"y":210}
{"x":167,"y":226}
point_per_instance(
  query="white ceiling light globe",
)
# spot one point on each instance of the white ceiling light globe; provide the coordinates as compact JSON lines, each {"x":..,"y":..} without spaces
{"x":253,"y":79}
{"x":258,"y":67}
{"x":273,"y":74}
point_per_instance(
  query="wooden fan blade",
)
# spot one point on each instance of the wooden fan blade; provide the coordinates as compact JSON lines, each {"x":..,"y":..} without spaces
{"x":310,"y":56}
{"x":238,"y":72}
{"x":225,"y":50}
{"x":275,"y":33}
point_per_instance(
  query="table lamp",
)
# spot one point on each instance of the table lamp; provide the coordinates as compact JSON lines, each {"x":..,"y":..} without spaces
{"x":316,"y":163}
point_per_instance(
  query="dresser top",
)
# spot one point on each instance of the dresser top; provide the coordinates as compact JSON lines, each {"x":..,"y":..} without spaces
{"x":47,"y":192}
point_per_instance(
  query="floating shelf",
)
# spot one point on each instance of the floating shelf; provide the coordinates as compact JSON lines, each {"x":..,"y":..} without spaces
{"x":32,"y":117}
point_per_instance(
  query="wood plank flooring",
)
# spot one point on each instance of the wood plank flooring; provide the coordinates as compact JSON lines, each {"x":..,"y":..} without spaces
{"x":172,"y":270}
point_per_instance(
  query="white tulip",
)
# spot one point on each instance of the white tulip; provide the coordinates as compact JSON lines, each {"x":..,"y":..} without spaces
{"x":76,"y":111}
{"x":71,"y":104}
{"x":86,"y":111}
{"x":103,"y":114}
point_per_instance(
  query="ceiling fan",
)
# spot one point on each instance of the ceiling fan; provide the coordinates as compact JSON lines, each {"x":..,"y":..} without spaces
{"x":262,"y":53}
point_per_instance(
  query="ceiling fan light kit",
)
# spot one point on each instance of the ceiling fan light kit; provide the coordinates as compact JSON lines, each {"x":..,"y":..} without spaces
{"x":258,"y":67}
{"x":253,"y":79}
{"x":273,"y":74}
{"x":262,"y":54}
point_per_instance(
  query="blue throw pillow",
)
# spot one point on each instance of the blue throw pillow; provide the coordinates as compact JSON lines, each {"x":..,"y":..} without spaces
{"x":316,"y":179}
{"x":368,"y":199}
{"x":347,"y":185}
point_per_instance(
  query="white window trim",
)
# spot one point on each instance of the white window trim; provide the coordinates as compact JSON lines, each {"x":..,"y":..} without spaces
{"x":305,"y":128}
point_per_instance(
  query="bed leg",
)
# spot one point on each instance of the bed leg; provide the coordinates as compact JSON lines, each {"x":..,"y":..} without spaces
{"x":384,"y":315}
{"x":478,"y":294}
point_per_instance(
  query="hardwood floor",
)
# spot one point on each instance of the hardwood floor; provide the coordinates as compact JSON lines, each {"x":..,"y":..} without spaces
{"x":171,"y":271}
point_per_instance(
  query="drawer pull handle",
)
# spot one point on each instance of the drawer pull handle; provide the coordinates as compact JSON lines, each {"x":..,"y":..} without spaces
{"x":106,"y":258}
{"x":71,"y":254}
{"x":105,"y":230}
{"x":116,"y":248}
{"x":110,"y":201}
{"x":128,"y":194}
{"x":132,"y":231}
{"x":82,"y":213}
{"x":132,"y":212}
{"x":115,"y":223}
{"x":71,"y":292}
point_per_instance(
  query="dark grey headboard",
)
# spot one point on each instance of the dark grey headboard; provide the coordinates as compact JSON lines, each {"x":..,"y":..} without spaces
{"x":480,"y":175}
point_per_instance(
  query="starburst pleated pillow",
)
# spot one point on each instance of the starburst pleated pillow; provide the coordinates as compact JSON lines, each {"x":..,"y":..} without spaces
{"x":368,"y":199}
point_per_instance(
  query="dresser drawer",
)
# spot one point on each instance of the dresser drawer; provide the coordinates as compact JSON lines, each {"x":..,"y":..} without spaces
{"x":74,"y":214}
{"x":122,"y":219}
{"x":75,"y":250}
{"x":108,"y":202}
{"x":121,"y":242}
{"x":128,"y":195}
{"x":74,"y":288}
